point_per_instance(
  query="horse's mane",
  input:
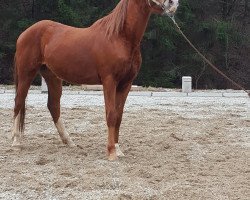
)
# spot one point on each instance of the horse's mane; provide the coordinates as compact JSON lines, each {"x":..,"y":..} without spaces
{"x":114,"y":22}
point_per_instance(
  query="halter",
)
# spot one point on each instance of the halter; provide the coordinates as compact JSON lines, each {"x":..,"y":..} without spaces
{"x":162,"y":6}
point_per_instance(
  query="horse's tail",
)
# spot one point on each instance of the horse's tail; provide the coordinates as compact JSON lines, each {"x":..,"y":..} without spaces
{"x":22,"y":110}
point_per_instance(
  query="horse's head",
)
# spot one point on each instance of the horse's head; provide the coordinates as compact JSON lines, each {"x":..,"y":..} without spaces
{"x":168,"y":7}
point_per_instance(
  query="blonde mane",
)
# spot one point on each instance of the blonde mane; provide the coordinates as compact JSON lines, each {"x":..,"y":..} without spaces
{"x":114,"y":22}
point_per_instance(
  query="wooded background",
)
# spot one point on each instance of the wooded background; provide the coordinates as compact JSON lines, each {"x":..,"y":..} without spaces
{"x":220,"y":29}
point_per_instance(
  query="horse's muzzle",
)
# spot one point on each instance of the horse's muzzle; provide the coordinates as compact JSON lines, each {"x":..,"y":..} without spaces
{"x":171,"y":11}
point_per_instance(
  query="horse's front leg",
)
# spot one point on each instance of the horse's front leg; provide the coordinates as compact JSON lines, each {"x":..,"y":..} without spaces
{"x":121,"y":96}
{"x":109,"y":88}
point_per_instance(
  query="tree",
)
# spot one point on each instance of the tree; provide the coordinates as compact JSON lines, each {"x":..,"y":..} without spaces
{"x":220,"y":29}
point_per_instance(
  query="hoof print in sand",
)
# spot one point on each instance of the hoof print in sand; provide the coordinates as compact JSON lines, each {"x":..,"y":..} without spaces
{"x":42,"y":161}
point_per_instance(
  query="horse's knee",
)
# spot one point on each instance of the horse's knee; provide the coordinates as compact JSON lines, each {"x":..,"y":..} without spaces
{"x":112,"y":118}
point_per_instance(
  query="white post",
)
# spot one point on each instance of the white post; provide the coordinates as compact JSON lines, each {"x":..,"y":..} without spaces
{"x":44,"y":87}
{"x":187,"y":84}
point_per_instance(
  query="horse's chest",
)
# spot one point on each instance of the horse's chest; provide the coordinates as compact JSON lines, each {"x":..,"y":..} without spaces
{"x":128,"y":68}
{"x":123,"y":65}
{"x":120,"y":60}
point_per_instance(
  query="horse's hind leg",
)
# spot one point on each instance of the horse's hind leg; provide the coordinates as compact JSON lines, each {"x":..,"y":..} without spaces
{"x":23,"y":80}
{"x":54,"y":95}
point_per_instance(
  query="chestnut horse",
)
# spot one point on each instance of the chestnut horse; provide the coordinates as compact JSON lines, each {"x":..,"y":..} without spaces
{"x":107,"y":53}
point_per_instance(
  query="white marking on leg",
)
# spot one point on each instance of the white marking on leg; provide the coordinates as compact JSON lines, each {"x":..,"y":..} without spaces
{"x":64,"y":134}
{"x":118,"y":150}
{"x":16,"y":134}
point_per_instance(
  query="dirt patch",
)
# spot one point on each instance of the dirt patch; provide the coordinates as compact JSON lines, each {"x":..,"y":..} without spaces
{"x":202,"y":153}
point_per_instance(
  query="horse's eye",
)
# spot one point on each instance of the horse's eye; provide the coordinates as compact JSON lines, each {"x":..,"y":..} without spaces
{"x":170,"y":1}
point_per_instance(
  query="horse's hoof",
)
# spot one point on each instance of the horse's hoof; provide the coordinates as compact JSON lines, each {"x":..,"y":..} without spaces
{"x":69,"y":142}
{"x":120,"y":154}
{"x":118,"y":151}
{"x":112,"y":157}
{"x":16,"y":144}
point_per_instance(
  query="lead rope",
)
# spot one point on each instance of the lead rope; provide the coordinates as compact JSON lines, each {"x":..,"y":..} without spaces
{"x":207,"y":61}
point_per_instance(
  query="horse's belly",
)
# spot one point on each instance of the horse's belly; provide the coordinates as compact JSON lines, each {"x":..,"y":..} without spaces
{"x":77,"y":74}
{"x":73,"y":67}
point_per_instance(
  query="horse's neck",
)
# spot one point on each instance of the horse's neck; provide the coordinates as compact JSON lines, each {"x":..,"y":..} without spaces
{"x":138,"y":14}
